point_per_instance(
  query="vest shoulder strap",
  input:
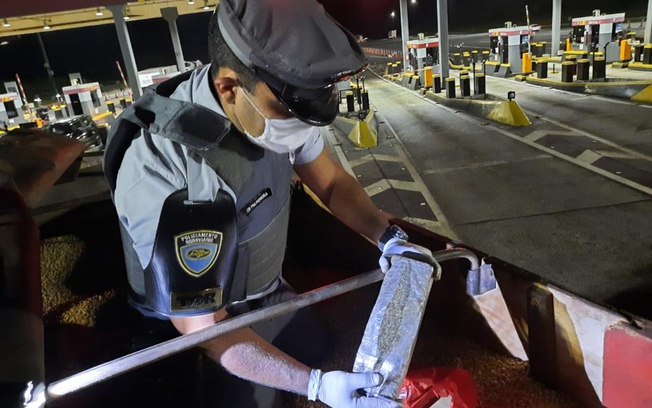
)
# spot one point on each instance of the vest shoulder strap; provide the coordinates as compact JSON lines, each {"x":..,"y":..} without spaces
{"x":192,"y":125}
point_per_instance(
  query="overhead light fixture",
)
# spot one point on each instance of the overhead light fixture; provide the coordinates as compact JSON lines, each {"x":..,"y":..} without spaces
{"x":45,"y":25}
{"x":99,"y":12}
{"x":5,"y":23}
{"x":191,"y":2}
{"x":414,"y":1}
{"x":4,"y":43}
{"x":127,"y":17}
{"x":393,"y":14}
{"x":206,"y":6}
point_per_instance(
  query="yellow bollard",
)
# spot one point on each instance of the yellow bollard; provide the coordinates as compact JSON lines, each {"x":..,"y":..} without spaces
{"x":625,"y":51}
{"x":428,"y":77}
{"x":526,"y":66}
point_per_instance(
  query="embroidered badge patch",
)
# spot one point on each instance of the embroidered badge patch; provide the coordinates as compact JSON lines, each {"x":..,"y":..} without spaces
{"x":197,"y":251}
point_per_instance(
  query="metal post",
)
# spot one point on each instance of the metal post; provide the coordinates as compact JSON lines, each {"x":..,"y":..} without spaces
{"x":125,"y":48}
{"x":405,"y":33}
{"x":529,"y":31}
{"x":170,"y":15}
{"x":556,"y":27}
{"x":442,"y":24}
{"x":484,"y":73}
{"x":648,"y":24}
{"x":46,"y":64}
{"x":475,"y":84}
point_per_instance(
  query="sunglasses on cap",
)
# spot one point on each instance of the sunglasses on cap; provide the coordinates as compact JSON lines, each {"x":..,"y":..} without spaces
{"x":317,"y":107}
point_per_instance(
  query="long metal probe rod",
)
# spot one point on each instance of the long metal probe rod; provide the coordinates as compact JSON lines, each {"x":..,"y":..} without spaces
{"x":159,"y":351}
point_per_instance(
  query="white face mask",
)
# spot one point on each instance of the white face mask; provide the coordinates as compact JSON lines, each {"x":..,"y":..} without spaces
{"x":280,"y":135}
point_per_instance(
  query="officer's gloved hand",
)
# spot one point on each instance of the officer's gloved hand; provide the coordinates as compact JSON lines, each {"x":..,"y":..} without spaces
{"x":339,"y":389}
{"x":397,"y":246}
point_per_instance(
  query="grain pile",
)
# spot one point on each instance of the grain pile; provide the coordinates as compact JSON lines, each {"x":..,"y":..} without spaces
{"x":84,"y":312}
{"x":59,"y":258}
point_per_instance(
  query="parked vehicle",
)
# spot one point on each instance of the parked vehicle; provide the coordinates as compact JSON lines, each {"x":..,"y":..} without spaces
{"x":79,"y":127}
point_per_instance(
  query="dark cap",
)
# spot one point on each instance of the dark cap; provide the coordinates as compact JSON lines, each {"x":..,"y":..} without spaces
{"x":296,"y":48}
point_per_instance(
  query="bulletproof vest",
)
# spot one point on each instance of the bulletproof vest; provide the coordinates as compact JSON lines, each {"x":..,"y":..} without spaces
{"x":183,"y":277}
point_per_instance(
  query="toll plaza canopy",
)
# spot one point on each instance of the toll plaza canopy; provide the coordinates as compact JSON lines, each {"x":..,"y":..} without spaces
{"x":21,"y":17}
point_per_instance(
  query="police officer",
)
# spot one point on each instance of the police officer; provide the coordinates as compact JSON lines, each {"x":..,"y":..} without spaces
{"x":200,"y":169}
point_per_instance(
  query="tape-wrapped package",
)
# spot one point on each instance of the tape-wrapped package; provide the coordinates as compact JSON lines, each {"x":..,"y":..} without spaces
{"x":393,"y":326}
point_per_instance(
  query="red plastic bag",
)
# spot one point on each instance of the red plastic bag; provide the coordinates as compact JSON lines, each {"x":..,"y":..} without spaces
{"x":422,"y":388}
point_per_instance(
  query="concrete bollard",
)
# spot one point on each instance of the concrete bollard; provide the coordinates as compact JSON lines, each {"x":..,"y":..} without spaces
{"x":583,"y":70}
{"x":111,"y":107}
{"x":466,"y":58}
{"x":480,"y":84}
{"x":638,"y":52}
{"x":457,"y":58}
{"x":465,"y":85}
{"x":350,"y":102}
{"x":437,"y":83}
{"x":365,"y":100}
{"x":567,"y":71}
{"x":647,"y":54}
{"x":599,"y":69}
{"x":406,"y":78}
{"x":542,"y":69}
{"x":573,"y":60}
{"x":450,"y":88}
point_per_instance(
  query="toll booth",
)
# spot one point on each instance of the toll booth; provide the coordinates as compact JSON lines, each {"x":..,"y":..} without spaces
{"x":424,"y":52}
{"x":11,"y":110}
{"x":599,"y":32}
{"x":509,"y":43}
{"x":84,"y":99}
{"x":57,"y":112}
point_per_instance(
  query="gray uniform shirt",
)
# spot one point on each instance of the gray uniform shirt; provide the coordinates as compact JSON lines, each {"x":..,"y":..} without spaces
{"x":155,"y":167}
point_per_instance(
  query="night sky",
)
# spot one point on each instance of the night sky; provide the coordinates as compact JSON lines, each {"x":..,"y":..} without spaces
{"x":93,"y":51}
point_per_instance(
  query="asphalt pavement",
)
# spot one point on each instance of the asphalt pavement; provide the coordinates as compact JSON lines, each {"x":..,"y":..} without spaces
{"x":537,"y":197}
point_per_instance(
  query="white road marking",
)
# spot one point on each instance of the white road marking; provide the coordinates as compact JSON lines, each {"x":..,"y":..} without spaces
{"x":470,"y":119}
{"x":613,"y":100}
{"x":487,"y":164}
{"x":589,"y":157}
{"x":378,"y":187}
{"x":632,"y":153}
{"x":538,"y":134}
{"x":373,"y":157}
{"x":444,"y":227}
{"x":611,"y":176}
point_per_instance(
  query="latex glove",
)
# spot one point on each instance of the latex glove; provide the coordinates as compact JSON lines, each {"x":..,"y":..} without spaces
{"x":339,"y":389}
{"x":396,"y":246}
